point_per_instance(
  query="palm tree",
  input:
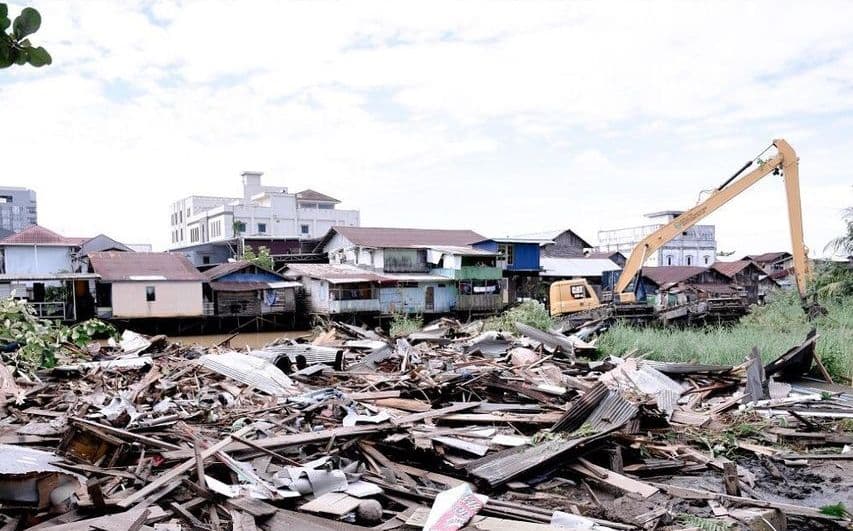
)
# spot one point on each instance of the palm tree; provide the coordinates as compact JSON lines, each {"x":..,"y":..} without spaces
{"x":843,"y":245}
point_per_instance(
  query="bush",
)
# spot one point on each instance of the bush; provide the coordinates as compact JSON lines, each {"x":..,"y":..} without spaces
{"x":403,"y":324}
{"x":531,"y":313}
{"x":41,"y":340}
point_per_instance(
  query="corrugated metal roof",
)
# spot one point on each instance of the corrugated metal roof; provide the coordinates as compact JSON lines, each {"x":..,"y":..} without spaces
{"x":670,"y":274}
{"x":581,"y":408}
{"x":731,"y":269}
{"x":313,"y":195}
{"x":102,"y":242}
{"x":232,"y":267}
{"x":768,"y":257}
{"x":553,"y":235}
{"x":38,"y":235}
{"x":239,"y":286}
{"x":118,"y":266}
{"x":334,"y":273}
{"x":397,"y":237}
{"x":576,"y":267}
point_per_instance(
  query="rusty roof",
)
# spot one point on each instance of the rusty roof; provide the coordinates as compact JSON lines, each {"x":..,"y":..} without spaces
{"x":767,"y":257}
{"x":38,"y":235}
{"x":232,"y":267}
{"x":120,"y":266}
{"x":313,"y":195}
{"x":334,"y":273}
{"x":731,"y":269}
{"x":668,"y":274}
{"x":395,"y":237}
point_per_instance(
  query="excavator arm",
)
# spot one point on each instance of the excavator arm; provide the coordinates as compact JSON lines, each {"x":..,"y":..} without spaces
{"x":785,"y":161}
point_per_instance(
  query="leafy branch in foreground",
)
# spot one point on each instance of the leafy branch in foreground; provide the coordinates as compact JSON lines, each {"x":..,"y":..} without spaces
{"x":15,"y":47}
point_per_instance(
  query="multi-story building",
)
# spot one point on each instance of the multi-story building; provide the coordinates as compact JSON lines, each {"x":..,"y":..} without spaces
{"x":206,"y":227}
{"x":697,"y":246}
{"x":392,"y":270}
{"x":17,"y":208}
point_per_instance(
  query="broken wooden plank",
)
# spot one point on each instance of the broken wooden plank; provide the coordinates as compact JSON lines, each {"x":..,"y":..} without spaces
{"x":613,"y":479}
{"x":416,"y":417}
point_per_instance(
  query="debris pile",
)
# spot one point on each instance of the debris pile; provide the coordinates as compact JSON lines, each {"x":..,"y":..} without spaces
{"x":448,"y":427}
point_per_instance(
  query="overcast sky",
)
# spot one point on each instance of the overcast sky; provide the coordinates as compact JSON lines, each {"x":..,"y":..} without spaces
{"x":501,"y":117}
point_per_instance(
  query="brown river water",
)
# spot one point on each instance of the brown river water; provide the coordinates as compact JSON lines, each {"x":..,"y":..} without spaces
{"x":251,"y":339}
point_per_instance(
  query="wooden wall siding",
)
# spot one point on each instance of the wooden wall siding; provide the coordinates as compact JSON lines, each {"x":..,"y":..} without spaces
{"x":480,"y":302}
{"x":566,"y":245}
{"x":238,"y":303}
{"x":285,"y":301}
{"x":405,"y":261}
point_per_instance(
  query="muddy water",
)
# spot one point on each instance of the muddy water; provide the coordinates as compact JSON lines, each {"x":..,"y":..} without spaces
{"x":252,"y":339}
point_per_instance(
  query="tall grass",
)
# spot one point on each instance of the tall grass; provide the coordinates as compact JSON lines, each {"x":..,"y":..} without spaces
{"x":531,"y":313}
{"x":403,"y":324}
{"x":773,"y":328}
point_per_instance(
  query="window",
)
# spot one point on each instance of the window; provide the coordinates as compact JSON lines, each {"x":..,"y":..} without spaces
{"x":216,"y":229}
{"x":181,"y":216}
{"x":706,"y":259}
{"x":205,"y":259}
{"x":239,"y":227}
{"x":326,"y":206}
{"x":506,"y":251}
{"x":262,"y":228}
{"x":305,"y":229}
{"x":578,"y":292}
{"x":669,"y":259}
{"x":194,"y":234}
{"x":150,"y":294}
{"x":182,"y":235}
{"x":689,"y":260}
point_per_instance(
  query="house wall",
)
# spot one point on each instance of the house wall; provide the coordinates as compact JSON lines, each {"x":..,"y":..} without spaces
{"x":37,"y":259}
{"x":565,"y":245}
{"x":394,"y":299}
{"x":173,"y":299}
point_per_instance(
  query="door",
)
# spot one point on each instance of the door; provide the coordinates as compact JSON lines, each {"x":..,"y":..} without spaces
{"x":429,"y":299}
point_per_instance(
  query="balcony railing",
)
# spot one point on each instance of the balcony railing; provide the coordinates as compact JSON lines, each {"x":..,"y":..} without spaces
{"x":50,"y":310}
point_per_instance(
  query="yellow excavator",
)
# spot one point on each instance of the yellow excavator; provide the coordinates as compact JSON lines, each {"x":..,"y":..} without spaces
{"x":576,"y":298}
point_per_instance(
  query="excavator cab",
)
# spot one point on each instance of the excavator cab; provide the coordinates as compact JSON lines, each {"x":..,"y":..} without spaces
{"x":571,"y":296}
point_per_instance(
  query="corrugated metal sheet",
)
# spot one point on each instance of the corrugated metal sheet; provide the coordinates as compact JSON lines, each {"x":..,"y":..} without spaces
{"x":299,"y":355}
{"x":611,"y":413}
{"x":501,"y":467}
{"x":117,"y":266}
{"x":581,"y":409}
{"x":250,"y":370}
{"x":668,"y":367}
{"x":576,"y":267}
{"x":393,"y":237}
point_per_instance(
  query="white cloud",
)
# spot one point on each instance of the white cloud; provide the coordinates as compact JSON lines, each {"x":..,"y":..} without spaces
{"x":504,"y":117}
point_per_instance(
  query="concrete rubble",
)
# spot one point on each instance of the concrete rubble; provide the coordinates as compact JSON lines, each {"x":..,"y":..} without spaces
{"x":448,"y":428}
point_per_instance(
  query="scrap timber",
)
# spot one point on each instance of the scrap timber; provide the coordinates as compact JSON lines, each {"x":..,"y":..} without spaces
{"x":450,"y":427}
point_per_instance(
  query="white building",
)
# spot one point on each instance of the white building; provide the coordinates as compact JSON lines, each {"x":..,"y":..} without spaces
{"x":263,"y":211}
{"x":697,"y":246}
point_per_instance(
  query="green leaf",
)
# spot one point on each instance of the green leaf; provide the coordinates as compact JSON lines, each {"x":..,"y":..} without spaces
{"x":20,"y":56}
{"x":4,"y":22}
{"x":27,"y":23}
{"x":4,"y":10}
{"x":39,"y":57}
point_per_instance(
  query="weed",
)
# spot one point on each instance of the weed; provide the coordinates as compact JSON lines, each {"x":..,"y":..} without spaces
{"x":531,"y":313}
{"x":837,"y":510}
{"x":773,"y":328}
{"x":403,"y":324}
{"x":705,"y":524}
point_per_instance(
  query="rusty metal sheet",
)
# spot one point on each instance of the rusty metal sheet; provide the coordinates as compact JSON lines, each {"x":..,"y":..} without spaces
{"x":581,"y":409}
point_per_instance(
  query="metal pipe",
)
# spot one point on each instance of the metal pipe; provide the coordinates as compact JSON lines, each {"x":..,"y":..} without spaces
{"x":735,"y":176}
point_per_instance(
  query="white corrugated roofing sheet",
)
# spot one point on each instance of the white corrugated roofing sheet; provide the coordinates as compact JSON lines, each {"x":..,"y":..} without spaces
{"x":576,"y":267}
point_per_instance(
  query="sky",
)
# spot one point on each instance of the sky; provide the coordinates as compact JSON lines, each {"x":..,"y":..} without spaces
{"x":501,"y":117}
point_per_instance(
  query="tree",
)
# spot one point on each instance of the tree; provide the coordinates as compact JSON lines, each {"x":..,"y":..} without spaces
{"x":15,"y":47}
{"x":261,"y":259}
{"x":843,"y":244}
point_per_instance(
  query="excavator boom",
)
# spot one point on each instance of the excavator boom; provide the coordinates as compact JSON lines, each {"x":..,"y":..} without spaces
{"x":785,"y":161}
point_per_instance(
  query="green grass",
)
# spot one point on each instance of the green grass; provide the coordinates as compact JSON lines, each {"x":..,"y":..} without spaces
{"x":773,"y":328}
{"x":531,"y":313}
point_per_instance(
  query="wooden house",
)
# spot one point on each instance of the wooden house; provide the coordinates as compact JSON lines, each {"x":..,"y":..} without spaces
{"x":244,"y":289}
{"x":748,"y":275}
